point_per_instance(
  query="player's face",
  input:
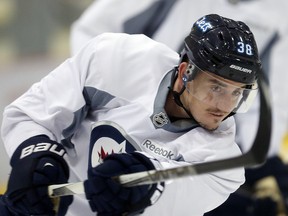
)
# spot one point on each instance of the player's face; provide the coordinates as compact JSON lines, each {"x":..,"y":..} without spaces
{"x":211,"y":98}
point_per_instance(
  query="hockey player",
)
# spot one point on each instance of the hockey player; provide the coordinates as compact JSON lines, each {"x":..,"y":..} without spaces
{"x":124,"y":104}
{"x":166,"y":21}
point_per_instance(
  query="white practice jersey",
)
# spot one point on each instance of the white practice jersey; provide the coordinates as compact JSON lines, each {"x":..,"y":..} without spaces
{"x":119,"y":82}
{"x":264,"y":17}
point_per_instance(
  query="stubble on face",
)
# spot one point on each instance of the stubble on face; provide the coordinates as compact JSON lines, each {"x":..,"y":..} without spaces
{"x":208,"y":117}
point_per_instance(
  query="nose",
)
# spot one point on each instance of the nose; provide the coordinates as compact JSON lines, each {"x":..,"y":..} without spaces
{"x":225,"y":103}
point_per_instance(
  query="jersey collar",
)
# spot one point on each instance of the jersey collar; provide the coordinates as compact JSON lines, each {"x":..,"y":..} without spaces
{"x":160,"y":119}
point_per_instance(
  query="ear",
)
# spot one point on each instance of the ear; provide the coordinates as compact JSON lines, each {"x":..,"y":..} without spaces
{"x":181,"y":77}
{"x":182,"y":73}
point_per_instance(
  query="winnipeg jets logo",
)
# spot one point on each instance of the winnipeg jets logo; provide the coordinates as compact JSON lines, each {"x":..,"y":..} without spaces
{"x":103,"y":147}
{"x":203,"y":24}
{"x":108,"y":138}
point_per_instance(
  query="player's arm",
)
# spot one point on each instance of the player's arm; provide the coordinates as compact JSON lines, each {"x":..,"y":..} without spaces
{"x":32,"y":131}
{"x":47,"y":108}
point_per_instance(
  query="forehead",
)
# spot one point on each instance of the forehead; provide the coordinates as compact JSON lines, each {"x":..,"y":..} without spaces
{"x":213,"y":78}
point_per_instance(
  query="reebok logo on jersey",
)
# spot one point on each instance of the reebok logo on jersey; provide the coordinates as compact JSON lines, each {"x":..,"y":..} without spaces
{"x":245,"y":70}
{"x":158,"y":150}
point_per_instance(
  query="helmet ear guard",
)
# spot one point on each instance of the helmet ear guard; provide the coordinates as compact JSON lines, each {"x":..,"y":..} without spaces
{"x":189,"y":70}
{"x":190,"y":73}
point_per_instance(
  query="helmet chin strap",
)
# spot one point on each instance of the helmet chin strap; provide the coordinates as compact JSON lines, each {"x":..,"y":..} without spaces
{"x":176,"y":95}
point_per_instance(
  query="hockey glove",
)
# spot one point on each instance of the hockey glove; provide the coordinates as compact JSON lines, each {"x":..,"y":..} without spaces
{"x":108,"y":197}
{"x":3,"y":209}
{"x":36,"y":163}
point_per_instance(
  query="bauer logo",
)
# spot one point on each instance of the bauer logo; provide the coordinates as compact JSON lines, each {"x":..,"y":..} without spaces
{"x":42,"y":147}
{"x":108,"y":138}
{"x":245,"y":70}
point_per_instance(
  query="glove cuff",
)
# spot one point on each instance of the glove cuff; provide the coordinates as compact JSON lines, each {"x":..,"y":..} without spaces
{"x":3,"y":207}
{"x":39,"y":146}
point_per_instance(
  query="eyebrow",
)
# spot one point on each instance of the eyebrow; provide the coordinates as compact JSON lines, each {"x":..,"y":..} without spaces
{"x":215,"y":81}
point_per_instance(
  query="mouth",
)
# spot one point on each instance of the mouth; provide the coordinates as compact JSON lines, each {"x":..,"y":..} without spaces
{"x":217,"y":114}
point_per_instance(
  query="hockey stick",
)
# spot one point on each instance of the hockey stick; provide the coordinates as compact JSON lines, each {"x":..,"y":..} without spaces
{"x":256,"y":155}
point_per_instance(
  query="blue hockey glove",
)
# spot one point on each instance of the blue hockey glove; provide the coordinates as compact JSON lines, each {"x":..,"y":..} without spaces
{"x":3,"y":209}
{"x":108,"y":197}
{"x":36,"y":163}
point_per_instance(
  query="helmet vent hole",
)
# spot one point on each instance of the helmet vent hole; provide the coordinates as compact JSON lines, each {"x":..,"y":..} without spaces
{"x":221,"y":36}
{"x":205,"y":52}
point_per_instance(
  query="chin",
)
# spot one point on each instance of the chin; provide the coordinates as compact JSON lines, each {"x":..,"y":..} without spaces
{"x":208,"y":127}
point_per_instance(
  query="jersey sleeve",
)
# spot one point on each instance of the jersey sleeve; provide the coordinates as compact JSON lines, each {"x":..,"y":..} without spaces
{"x":48,"y":107}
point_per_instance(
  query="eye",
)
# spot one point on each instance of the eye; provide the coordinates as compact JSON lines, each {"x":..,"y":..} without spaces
{"x":237,"y":92}
{"x":216,"y":88}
